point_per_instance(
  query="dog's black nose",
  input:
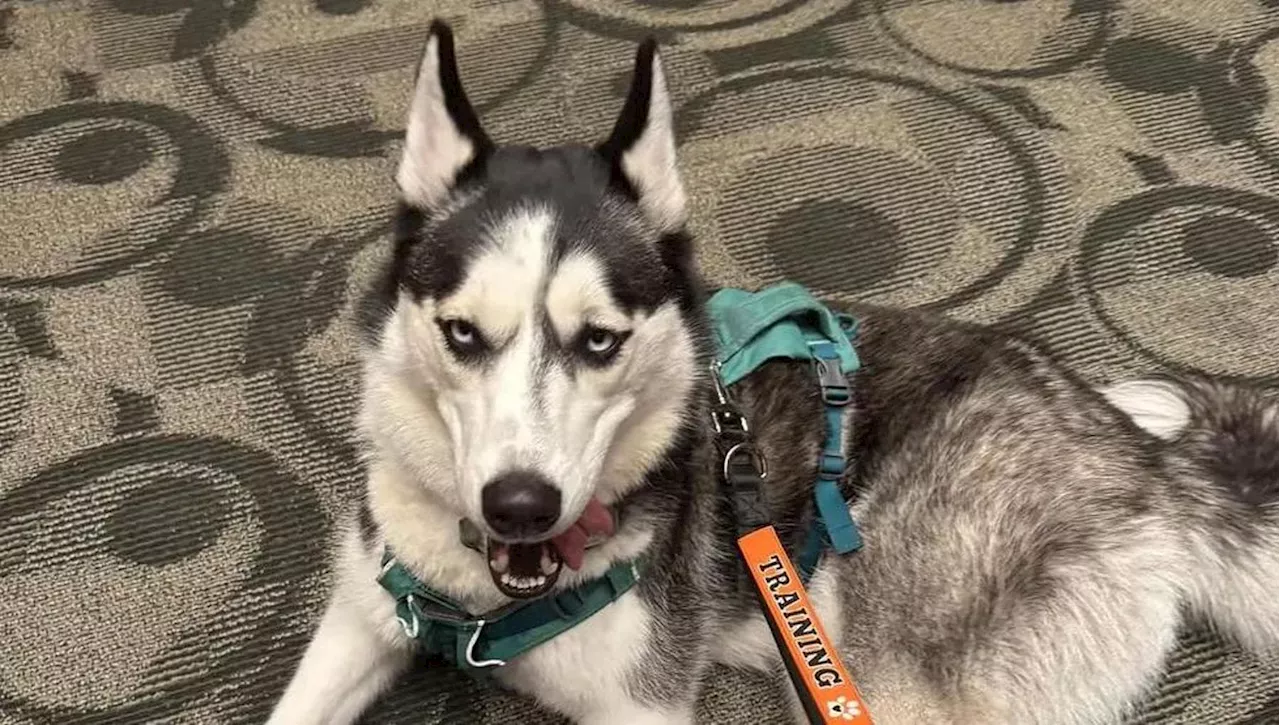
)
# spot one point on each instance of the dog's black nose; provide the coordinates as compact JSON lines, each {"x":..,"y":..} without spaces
{"x":520,"y":504}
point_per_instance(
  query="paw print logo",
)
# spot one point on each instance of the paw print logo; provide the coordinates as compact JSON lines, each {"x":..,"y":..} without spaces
{"x":843,"y":708}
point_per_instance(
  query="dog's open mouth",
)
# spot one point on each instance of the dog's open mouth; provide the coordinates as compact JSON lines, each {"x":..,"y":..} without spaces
{"x":522,"y":571}
{"x":527,"y":570}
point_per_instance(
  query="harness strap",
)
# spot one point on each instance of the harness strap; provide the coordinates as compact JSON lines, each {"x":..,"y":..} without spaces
{"x":786,"y":321}
{"x":476,"y":644}
{"x":832,"y":521}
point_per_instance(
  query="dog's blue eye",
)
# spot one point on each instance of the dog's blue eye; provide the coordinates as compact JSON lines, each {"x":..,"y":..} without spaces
{"x":598,"y":345}
{"x":600,"y":341}
{"x":462,"y":337}
{"x":463,"y":333}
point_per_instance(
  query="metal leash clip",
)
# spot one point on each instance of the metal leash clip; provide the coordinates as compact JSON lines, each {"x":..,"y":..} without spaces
{"x":743,"y":465}
{"x":726,"y":418}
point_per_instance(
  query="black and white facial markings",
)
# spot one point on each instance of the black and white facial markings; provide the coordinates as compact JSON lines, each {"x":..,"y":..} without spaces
{"x":535,"y":315}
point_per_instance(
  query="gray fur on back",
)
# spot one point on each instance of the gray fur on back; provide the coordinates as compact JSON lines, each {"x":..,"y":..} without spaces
{"x":1029,"y":548}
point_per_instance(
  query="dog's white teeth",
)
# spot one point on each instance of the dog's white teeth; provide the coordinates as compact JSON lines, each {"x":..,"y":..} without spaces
{"x":500,"y":561}
{"x":523,"y":583}
{"x":549,"y":566}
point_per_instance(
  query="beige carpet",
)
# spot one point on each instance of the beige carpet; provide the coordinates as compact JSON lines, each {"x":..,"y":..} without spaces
{"x":192,"y":191}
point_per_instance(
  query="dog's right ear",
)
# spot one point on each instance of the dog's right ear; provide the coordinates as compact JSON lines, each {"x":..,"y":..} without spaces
{"x":443,"y":139}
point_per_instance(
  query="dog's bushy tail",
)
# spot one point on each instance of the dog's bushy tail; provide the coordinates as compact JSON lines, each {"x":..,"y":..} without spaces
{"x":1221,"y":454}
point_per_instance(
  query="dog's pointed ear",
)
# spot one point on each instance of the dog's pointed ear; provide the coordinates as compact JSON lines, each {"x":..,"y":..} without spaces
{"x":443,"y":138}
{"x":642,"y":148}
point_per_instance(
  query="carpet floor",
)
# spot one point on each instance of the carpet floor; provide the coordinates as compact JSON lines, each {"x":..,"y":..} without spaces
{"x":193,"y":192}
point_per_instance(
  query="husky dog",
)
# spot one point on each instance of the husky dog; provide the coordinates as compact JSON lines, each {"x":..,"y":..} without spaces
{"x":538,"y":361}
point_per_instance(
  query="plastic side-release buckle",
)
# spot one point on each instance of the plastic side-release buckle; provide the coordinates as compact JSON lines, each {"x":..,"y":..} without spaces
{"x":826,"y":362}
{"x":568,"y":603}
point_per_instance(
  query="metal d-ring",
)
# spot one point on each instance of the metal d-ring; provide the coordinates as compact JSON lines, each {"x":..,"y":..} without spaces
{"x":471,"y":647}
{"x":762,"y":466}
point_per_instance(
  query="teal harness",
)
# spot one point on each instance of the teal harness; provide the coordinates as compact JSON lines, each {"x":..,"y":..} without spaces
{"x":786,"y":322}
{"x":780,"y":322}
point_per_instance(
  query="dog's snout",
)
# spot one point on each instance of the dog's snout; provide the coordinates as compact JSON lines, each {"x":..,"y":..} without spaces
{"x":520,"y":504}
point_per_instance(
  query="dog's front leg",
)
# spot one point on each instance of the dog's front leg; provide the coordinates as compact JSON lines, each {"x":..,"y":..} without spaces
{"x":611,"y":670}
{"x":356,"y":653}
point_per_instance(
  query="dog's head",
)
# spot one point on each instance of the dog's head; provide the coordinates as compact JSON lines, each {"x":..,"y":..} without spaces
{"x":537,"y":343}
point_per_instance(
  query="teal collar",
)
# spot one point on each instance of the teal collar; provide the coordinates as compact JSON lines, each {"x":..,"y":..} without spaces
{"x":476,"y":644}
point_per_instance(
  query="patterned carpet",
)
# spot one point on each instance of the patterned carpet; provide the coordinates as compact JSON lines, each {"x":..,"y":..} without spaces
{"x":192,"y":192}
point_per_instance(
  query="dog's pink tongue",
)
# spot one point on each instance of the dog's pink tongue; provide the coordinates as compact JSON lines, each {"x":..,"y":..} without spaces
{"x":572,"y":544}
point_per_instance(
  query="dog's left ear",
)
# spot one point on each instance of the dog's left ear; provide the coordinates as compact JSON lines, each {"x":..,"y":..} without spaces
{"x":642,"y":148}
{"x":443,"y":140}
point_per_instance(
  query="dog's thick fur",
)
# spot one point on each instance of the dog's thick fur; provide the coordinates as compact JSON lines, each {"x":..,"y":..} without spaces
{"x":1032,"y":544}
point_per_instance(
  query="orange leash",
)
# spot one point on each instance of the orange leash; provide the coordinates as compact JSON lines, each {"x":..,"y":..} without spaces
{"x":825,"y":688}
